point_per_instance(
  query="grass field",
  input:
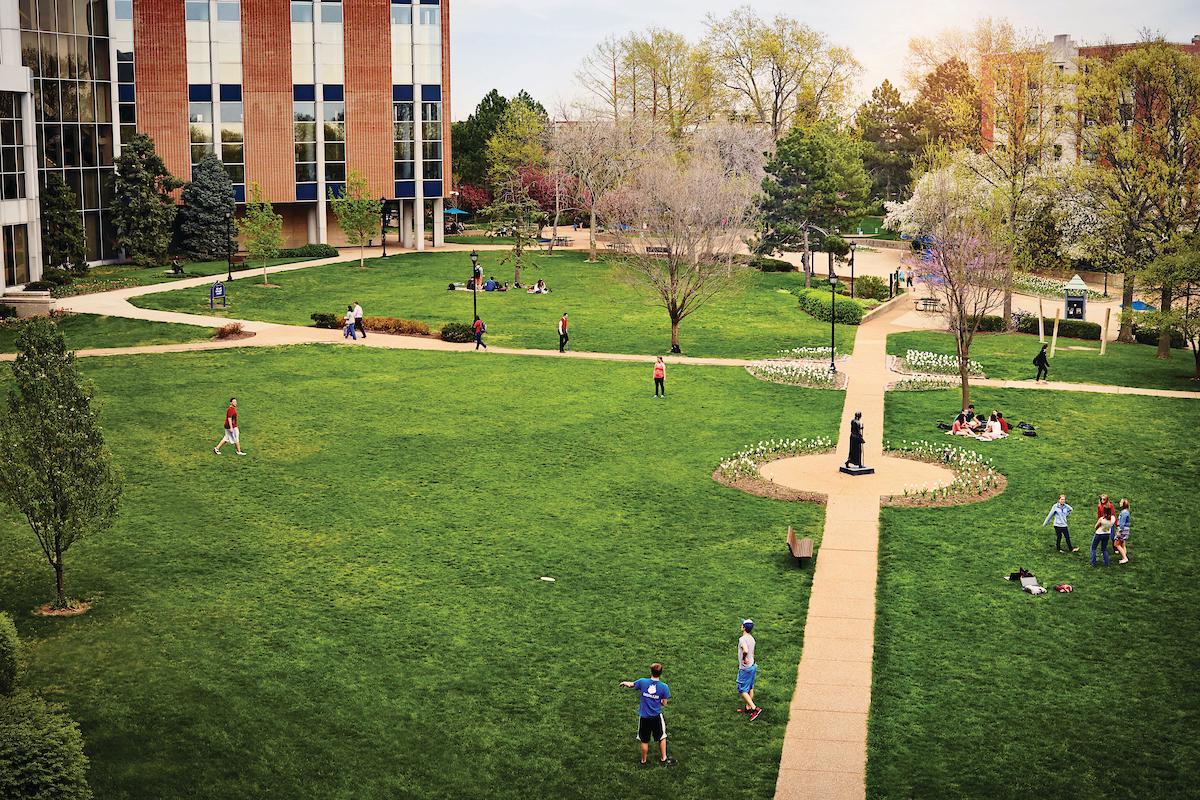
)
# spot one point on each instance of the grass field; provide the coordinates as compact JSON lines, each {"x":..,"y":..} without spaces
{"x":1009,"y":356}
{"x":354,"y":610}
{"x":106,"y":277}
{"x":84,"y":331}
{"x":607,"y":314}
{"x":982,"y":691}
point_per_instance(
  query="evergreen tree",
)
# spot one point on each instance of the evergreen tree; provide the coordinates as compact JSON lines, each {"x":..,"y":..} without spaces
{"x":62,"y":227}
{"x":262,"y":229}
{"x":56,"y":471}
{"x":886,"y":124}
{"x":204,"y":229}
{"x":144,"y":211}
{"x":358,"y":213}
{"x":815,"y":178}
{"x":471,"y":138}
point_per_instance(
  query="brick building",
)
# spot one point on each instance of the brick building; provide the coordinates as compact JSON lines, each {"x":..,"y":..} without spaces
{"x":290,"y":94}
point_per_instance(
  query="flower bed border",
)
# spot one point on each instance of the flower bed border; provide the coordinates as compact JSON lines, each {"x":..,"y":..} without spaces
{"x":900,"y":366}
{"x":839,"y":381}
{"x":934,"y":500}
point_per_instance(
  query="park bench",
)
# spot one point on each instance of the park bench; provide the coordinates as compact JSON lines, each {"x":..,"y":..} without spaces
{"x":237,"y":262}
{"x":801,"y":550}
{"x":658,"y":251}
{"x":929,"y":304}
{"x":619,"y":247}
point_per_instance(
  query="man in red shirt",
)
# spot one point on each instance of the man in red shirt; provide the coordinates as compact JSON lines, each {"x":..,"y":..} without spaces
{"x":562,"y":334}
{"x":231,"y":429}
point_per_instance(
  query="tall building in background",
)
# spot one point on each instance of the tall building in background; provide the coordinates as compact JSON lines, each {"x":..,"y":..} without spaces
{"x":291,"y":94}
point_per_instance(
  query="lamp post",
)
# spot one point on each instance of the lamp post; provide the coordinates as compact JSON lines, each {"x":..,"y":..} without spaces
{"x":228,"y":245}
{"x":383,"y":220}
{"x":832,"y":316}
{"x":853,"y":247}
{"x":474,"y":285}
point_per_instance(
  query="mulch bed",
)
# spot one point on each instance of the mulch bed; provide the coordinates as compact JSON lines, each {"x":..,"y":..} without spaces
{"x":772,"y":491}
{"x":234,"y":337}
{"x":912,"y":501}
{"x":46,"y":610}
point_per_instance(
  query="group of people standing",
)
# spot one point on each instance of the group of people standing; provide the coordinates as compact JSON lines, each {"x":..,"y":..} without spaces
{"x":1112,"y":526}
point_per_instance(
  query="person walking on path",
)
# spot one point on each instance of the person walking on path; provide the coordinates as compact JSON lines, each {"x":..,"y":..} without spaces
{"x":358,"y":320}
{"x":232,"y":434}
{"x":1120,"y":541}
{"x":747,"y":670}
{"x":562,"y":333}
{"x":652,"y":725}
{"x":480,"y":329}
{"x":1042,"y":363}
{"x":1104,"y":527}
{"x":660,"y":377}
{"x":348,"y":324}
{"x":1059,"y":513}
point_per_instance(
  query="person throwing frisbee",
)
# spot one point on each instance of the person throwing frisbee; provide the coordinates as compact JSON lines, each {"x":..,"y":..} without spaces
{"x":231,"y":429}
{"x":747,"y":670}
{"x":651,"y":723}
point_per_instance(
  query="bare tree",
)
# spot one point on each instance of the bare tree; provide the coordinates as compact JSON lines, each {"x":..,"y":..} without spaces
{"x":681,"y":223}
{"x":988,"y":35}
{"x":599,"y":156}
{"x":963,"y":263}
{"x":602,"y":74}
{"x":780,"y":68}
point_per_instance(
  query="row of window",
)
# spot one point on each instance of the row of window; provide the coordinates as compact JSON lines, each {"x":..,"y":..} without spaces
{"x":51,"y":55}
{"x":12,"y":147}
{"x":66,"y":16}
{"x":15,"y":239}
{"x":227,"y":10}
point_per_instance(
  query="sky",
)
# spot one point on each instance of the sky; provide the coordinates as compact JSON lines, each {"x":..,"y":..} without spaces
{"x":537,"y":45}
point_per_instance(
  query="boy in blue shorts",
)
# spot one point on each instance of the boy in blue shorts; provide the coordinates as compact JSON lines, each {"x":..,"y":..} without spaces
{"x":651,"y":723}
{"x":747,"y":670}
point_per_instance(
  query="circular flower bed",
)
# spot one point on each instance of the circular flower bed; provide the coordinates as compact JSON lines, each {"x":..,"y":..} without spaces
{"x":920,"y":384}
{"x":974,"y":476}
{"x":923,"y":361}
{"x":740,"y":470}
{"x":797,"y":373}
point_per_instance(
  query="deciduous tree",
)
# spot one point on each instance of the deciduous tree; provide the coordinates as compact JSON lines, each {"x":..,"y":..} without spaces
{"x":357,"y":211}
{"x":519,"y":216}
{"x":261,"y":228}
{"x":517,"y":144}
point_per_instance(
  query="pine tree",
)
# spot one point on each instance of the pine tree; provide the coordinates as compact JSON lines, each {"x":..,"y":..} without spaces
{"x":144,"y":211}
{"x":358,"y":214}
{"x":62,"y":227}
{"x":262,"y":229}
{"x":204,"y":229}
{"x":56,"y":471}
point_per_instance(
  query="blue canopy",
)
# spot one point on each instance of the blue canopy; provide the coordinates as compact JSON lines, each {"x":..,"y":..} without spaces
{"x":456,"y":211}
{"x":1138,"y":305}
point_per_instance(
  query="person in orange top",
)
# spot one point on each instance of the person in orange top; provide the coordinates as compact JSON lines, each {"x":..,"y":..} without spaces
{"x":660,"y":377}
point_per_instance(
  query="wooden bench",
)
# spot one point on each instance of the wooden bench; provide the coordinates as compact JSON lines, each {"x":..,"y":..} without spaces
{"x":658,"y":251}
{"x":237,"y":261}
{"x":929,"y":304}
{"x":801,"y":550}
{"x":619,"y":247}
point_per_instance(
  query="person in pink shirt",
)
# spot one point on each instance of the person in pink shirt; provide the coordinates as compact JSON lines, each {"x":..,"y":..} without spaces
{"x":660,"y":377}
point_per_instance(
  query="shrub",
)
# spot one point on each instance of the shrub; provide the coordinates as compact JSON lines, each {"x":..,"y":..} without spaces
{"x":989,"y":323}
{"x":766,"y":264}
{"x":395,"y":325}
{"x":56,"y":276}
{"x":10,"y":655}
{"x":310,"y":251}
{"x":39,"y":286}
{"x":1070,"y":328}
{"x":41,"y":751}
{"x":7,"y":312}
{"x":871,"y":287}
{"x":817,"y":303}
{"x":1149,"y":335}
{"x":457,"y":332}
{"x":231,"y":330}
{"x":322,"y":320}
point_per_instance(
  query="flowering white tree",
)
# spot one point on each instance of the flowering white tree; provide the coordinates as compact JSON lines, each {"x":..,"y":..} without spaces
{"x":952,"y":186}
{"x":682,"y":222}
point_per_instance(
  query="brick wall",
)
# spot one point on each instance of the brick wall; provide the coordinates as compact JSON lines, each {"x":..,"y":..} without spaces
{"x":267,"y":98}
{"x":162,"y":99}
{"x":367,"y":25}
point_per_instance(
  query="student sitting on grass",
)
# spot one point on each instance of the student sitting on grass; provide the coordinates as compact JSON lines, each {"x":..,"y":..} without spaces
{"x":538,"y":288}
{"x":993,"y":430}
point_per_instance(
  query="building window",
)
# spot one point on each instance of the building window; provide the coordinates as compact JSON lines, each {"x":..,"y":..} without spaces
{"x":16,"y":255}
{"x":334,"y":132}
{"x":302,"y":11}
{"x":12,"y":147}
{"x":123,"y":9}
{"x":429,"y":15}
{"x":196,"y":9}
{"x":304,"y":116}
{"x":331,"y":12}
{"x":403,"y":142}
{"x":402,"y":15}
{"x":229,"y":11}
{"x":431,"y":141}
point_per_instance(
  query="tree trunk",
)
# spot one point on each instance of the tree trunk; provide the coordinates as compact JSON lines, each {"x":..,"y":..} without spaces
{"x":675,"y":336}
{"x":1196,"y":356}
{"x":362,"y":264}
{"x":1164,"y":338}
{"x":264,"y":273}
{"x":59,"y":585}
{"x":1008,"y":282}
{"x":965,"y":380}
{"x":592,"y":232}
{"x":807,"y":258}
{"x":1126,"y":334}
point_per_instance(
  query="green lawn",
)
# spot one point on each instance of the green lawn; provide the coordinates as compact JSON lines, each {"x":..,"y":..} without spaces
{"x":354,"y":610}
{"x":607,"y":313}
{"x":477,"y":238}
{"x":870,"y":226}
{"x":106,"y":277}
{"x":85,"y":331}
{"x":1009,"y":356}
{"x":982,"y":691}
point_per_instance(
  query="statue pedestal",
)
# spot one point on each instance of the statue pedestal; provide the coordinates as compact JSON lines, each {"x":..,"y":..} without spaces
{"x":856,"y":470}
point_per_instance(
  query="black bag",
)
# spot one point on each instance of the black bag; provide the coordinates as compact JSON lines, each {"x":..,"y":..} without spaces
{"x":1025,"y":426}
{"x":1029,"y":433}
{"x":944,"y":427}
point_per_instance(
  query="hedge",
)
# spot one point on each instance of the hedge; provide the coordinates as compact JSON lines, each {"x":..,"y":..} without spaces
{"x":41,"y":752}
{"x":1150,"y":336}
{"x":395,"y":325}
{"x":989,"y":323}
{"x":310,"y":251}
{"x":7,"y":311}
{"x":1070,"y":328}
{"x":817,"y":303}
{"x":457,"y":332}
{"x":10,"y":654}
{"x":323,"y":320}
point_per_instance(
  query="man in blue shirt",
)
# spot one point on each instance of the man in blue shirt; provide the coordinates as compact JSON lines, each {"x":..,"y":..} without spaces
{"x":1059,"y":513}
{"x":654,"y":694}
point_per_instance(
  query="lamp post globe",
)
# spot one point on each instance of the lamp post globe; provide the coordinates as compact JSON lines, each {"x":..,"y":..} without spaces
{"x":832,"y":315}
{"x":853,"y":247}
{"x":383,"y":220}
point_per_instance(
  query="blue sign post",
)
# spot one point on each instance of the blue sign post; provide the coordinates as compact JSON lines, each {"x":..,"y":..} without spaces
{"x":215,"y":291}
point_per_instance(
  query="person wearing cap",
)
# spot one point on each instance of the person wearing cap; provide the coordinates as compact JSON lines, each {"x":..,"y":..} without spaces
{"x":652,"y":725}
{"x":747,"y":670}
